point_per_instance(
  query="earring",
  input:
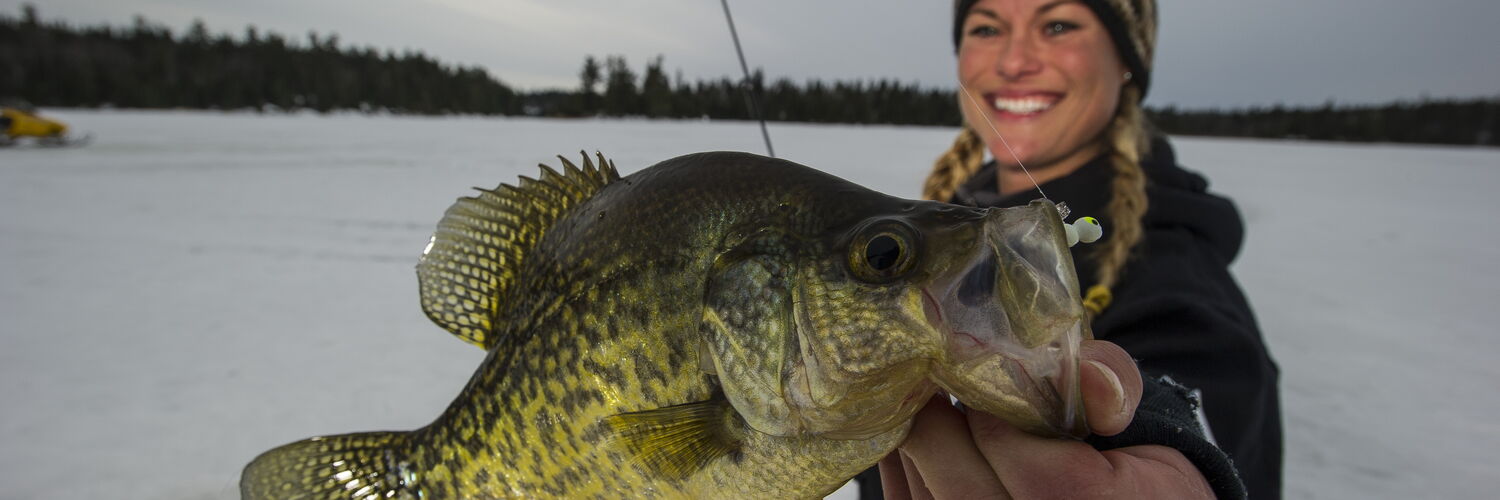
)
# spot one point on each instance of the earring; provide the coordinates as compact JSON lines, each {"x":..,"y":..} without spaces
{"x":1128,"y":75}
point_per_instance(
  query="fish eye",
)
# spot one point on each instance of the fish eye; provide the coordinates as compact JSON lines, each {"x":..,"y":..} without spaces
{"x":882,"y":252}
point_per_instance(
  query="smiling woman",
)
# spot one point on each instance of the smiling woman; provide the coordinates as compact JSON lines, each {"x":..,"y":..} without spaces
{"x":1052,"y":89}
{"x":1050,"y":79}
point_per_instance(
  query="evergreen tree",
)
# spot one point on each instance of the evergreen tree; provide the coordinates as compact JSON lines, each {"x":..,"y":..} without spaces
{"x":656,"y":90}
{"x":589,"y":79}
{"x":620,"y":96}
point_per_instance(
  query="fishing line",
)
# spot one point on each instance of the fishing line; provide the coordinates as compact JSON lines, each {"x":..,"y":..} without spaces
{"x":750,"y":100}
{"x":1002,"y":141}
{"x":1084,"y":229}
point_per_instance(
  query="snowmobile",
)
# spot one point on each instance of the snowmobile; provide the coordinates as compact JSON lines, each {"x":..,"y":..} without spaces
{"x":21,"y":121}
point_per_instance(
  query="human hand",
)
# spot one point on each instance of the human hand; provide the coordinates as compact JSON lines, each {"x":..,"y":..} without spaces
{"x":973,"y":455}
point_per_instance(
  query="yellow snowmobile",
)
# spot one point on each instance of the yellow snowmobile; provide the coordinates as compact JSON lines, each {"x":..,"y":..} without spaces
{"x":22,"y":122}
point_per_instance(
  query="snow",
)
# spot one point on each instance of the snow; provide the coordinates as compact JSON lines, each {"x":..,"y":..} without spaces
{"x":194,"y":288}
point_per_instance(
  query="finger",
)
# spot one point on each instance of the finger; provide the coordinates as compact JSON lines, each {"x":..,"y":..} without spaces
{"x":893,"y":477}
{"x":915,"y":486}
{"x":1160,"y":472}
{"x":1031,"y":466}
{"x":945,"y":456}
{"x":1036,"y":467}
{"x":1111,"y":385}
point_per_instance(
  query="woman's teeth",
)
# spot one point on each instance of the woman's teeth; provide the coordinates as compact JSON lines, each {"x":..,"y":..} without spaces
{"x":1023,"y":106}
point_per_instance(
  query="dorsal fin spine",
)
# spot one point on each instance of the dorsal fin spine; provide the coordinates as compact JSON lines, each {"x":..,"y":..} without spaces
{"x":472,"y":266}
{"x":576,"y":176}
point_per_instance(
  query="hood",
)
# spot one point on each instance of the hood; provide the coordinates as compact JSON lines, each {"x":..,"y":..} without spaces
{"x":1179,"y":198}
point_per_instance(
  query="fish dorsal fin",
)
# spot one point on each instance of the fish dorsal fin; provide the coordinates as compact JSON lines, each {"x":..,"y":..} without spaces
{"x":469,"y":270}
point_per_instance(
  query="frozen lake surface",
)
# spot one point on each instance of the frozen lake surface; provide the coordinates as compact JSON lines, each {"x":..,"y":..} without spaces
{"x":194,"y":288}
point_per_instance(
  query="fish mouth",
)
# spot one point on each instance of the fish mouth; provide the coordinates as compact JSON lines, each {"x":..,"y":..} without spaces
{"x":1012,"y":320}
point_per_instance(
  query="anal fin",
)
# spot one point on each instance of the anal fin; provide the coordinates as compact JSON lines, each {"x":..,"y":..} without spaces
{"x":676,"y":441}
{"x":362,"y":465}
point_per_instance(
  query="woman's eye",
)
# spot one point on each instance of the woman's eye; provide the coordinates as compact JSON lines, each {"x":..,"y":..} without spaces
{"x":1059,"y":27}
{"x":983,"y":31}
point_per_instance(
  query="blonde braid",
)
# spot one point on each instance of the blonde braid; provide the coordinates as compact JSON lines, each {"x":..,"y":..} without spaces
{"x":1127,"y":141}
{"x":955,"y":166}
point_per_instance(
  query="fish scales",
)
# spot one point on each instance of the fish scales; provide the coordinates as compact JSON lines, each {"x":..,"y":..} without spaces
{"x":691,"y":330}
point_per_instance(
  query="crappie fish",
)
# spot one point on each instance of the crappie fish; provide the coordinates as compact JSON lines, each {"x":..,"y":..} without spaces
{"x":719,"y":325}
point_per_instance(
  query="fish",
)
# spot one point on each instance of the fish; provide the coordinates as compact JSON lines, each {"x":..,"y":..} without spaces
{"x":717,"y":325}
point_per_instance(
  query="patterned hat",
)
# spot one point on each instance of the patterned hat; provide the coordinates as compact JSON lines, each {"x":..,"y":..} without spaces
{"x":1131,"y":24}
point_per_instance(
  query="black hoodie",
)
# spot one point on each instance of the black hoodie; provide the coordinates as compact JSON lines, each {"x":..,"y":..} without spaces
{"x":1175,"y":308}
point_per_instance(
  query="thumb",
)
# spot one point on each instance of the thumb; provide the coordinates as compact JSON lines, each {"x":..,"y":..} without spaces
{"x":1111,"y":385}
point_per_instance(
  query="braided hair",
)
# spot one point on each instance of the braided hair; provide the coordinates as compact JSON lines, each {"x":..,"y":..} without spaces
{"x":955,"y":166}
{"x":1126,"y":140}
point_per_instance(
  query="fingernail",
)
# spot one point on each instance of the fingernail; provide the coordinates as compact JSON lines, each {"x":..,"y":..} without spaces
{"x":1114,"y":383}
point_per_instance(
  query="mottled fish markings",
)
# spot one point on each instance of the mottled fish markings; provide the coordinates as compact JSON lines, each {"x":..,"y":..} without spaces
{"x":720,"y":325}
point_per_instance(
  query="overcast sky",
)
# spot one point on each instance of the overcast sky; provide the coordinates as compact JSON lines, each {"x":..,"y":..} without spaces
{"x":1211,"y":52}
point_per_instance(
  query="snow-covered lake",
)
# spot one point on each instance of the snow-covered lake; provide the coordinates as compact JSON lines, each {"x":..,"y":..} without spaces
{"x":194,"y":288}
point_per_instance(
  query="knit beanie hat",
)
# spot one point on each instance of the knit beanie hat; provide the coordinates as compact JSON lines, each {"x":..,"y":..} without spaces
{"x":1131,"y":24}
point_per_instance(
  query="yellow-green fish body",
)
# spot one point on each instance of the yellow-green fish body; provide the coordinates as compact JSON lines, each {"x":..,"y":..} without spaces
{"x":720,"y":325}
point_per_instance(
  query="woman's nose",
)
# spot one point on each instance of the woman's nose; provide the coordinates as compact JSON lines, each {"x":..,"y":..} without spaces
{"x":1019,"y":58}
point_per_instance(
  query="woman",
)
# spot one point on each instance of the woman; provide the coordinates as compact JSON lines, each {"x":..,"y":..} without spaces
{"x":1056,"y":85}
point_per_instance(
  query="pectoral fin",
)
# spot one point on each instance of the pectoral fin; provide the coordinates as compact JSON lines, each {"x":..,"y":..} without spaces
{"x":676,"y":441}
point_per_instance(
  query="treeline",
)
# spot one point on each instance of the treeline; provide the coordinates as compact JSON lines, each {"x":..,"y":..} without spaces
{"x":1471,"y":121}
{"x":145,"y":65}
{"x":611,"y":88}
